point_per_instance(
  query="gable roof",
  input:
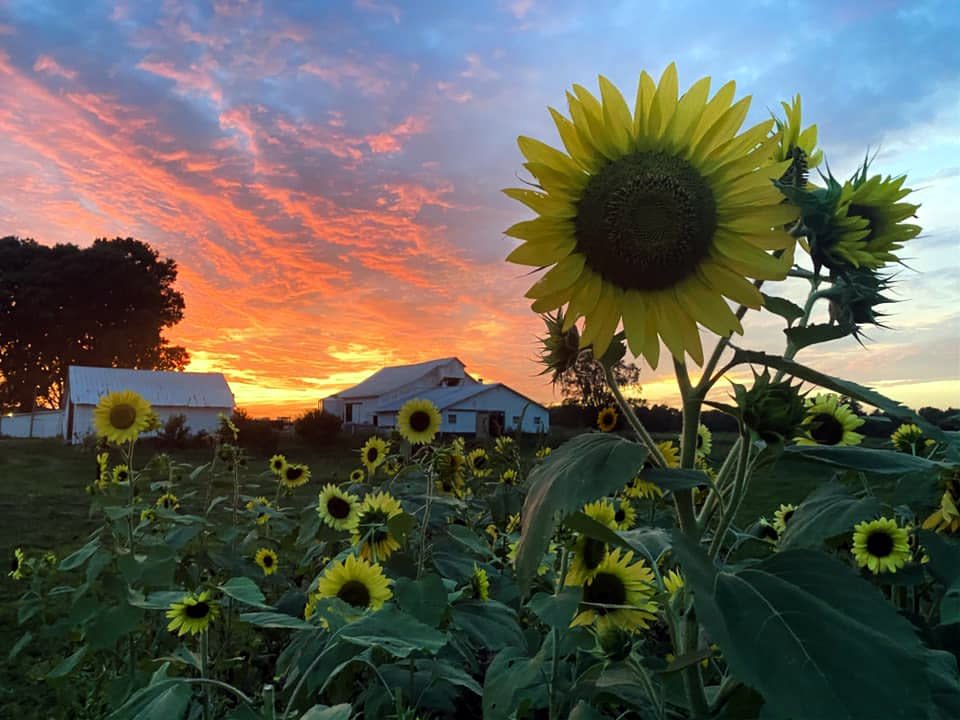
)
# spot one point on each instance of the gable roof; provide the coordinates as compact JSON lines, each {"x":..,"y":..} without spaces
{"x":447,"y":398}
{"x":161,"y":388}
{"x":387,"y":379}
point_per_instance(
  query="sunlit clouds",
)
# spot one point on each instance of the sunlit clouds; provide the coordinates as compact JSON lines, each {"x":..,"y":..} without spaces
{"x":327,"y":176}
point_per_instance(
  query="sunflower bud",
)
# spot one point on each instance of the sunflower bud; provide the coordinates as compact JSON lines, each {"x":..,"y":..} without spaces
{"x":561,"y":348}
{"x":796,"y":145}
{"x":613,"y":644}
{"x":773,"y":410}
{"x":854,"y":297}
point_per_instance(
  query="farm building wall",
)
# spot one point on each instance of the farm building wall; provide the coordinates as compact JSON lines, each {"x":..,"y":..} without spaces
{"x":464,"y":421}
{"x":39,"y":424}
{"x":502,"y":399}
{"x":198,"y":418}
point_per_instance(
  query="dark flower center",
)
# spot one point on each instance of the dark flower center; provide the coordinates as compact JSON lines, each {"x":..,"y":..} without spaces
{"x":699,"y":440}
{"x":420,"y":420}
{"x":479,"y":462}
{"x":268,"y":560}
{"x":355,"y":593}
{"x":826,"y":429}
{"x":787,"y":515}
{"x":278,"y":464}
{"x":594,"y":551}
{"x":769,"y":532}
{"x":122,"y":476}
{"x":372,"y":454}
{"x":15,"y":563}
{"x":123,"y":416}
{"x":605,"y":589}
{"x":338,"y":508}
{"x":645,"y":221}
{"x":620,"y":515}
{"x":197,"y":611}
{"x":879,"y":544}
{"x":294,"y":473}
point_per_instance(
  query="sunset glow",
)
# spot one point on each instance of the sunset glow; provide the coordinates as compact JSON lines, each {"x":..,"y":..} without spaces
{"x":328,"y":178}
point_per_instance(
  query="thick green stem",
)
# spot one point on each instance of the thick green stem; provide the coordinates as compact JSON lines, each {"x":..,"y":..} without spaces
{"x":552,"y":686}
{"x":204,"y":672}
{"x":633,"y":420}
{"x":739,"y":483}
{"x":715,"y":497}
{"x":791,"y":349}
{"x":421,"y":555}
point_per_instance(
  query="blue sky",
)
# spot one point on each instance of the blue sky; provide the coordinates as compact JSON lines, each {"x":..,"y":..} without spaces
{"x":327,"y":173}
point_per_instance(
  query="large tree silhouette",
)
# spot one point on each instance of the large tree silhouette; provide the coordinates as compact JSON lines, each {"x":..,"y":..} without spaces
{"x":103,"y":305}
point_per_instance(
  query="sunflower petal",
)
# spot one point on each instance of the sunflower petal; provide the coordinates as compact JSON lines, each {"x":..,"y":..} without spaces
{"x":616,"y":115}
{"x":541,"y":203}
{"x":708,"y":307}
{"x":602,"y":322}
{"x":687,"y":114}
{"x":722,"y":130}
{"x":572,"y":142}
{"x":664,"y":102}
{"x":716,"y":107}
{"x":646,"y":89}
{"x":584,"y":300}
{"x":541,"y":254}
{"x":560,"y":277}
{"x":730,"y":284}
{"x":541,"y":229}
{"x":540,"y":152}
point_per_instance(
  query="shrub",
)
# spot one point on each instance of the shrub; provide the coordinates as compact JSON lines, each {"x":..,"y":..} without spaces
{"x":175,"y":432}
{"x":257,"y":436}
{"x":317,"y":427}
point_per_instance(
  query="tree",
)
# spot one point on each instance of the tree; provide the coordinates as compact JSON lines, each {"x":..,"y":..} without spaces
{"x":584,"y":382}
{"x":105,"y":305}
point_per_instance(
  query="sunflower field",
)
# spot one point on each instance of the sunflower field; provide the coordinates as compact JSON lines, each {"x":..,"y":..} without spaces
{"x":610,"y":577}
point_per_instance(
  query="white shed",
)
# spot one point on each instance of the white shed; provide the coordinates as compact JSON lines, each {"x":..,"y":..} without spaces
{"x":201,"y":397}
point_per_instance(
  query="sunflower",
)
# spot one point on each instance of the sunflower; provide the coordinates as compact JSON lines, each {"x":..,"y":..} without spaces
{"x":418,"y":421}
{"x":766,"y":530}
{"x":946,"y":518}
{"x":357,"y":582}
{"x":868,"y":223}
{"x":480,"y":583}
{"x":374,"y":453}
{"x":168,"y":501}
{"x":625,"y":515}
{"x":654,"y":216}
{"x":618,"y":595}
{"x":357,"y":475}
{"x":16,"y":564}
{"x":704,"y":441}
{"x":908,"y":438}
{"x":588,"y":552}
{"x":544,"y":452}
{"x":508,"y":477}
{"x":294,"y":476}
{"x":278,"y":463}
{"x":479,"y":463}
{"x":371,"y":532}
{"x":193,"y":614}
{"x":393,"y":466}
{"x":148,"y":515}
{"x":796,"y":145}
{"x":880,"y":545}
{"x":504,"y":445}
{"x":829,"y":422}
{"x":641,"y":488}
{"x":267,"y":559}
{"x":782,"y":517}
{"x":121,"y":416}
{"x":338,"y":509}
{"x":673,"y":582}
{"x":121,"y":474}
{"x":607,"y":419}
{"x":260,"y":504}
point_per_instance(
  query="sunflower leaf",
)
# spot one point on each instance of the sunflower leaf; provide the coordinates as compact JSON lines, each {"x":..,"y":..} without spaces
{"x":869,"y":460}
{"x":794,"y":626}
{"x":579,"y":471}
{"x":786,"y":309}
{"x":246,"y":591}
{"x":801,"y":337}
{"x":827,"y":512}
{"x":945,"y":567}
{"x":394,"y":631}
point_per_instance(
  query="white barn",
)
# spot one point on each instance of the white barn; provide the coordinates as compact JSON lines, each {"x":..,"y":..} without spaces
{"x":467,"y":405}
{"x":201,"y":397}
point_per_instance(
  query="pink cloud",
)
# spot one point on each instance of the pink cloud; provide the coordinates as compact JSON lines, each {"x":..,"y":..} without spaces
{"x":379,"y":7}
{"x":195,"y":79}
{"x":47,"y":64}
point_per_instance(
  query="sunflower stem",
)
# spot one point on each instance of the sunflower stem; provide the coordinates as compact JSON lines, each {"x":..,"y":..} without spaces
{"x":633,"y":420}
{"x":739,"y":483}
{"x":204,"y":672}
{"x":557,"y":589}
{"x":791,"y":349}
{"x":716,"y":496}
{"x":421,"y":555}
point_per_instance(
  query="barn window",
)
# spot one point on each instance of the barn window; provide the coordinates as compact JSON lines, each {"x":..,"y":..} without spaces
{"x":516,"y":419}
{"x":536,"y":420}
{"x":452,"y":418}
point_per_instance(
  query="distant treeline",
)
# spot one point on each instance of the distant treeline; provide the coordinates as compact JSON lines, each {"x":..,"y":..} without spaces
{"x":666,"y":419}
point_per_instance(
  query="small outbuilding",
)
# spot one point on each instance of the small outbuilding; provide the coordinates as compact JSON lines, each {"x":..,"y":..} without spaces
{"x":467,"y":405}
{"x":200,"y":397}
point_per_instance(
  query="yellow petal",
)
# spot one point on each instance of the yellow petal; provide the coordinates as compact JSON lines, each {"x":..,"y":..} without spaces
{"x":602,"y":322}
{"x":585,"y":298}
{"x":555,"y":182}
{"x":722,"y":130}
{"x":717,"y":106}
{"x":664,"y":102}
{"x":708,"y":307}
{"x":560,"y":277}
{"x":646,"y":89}
{"x":634,"y":320}
{"x":593,"y":112}
{"x":687,"y":114}
{"x":754,"y":219}
{"x":541,"y":229}
{"x":572,"y":142}
{"x":552,"y":301}
{"x":541,"y":254}
{"x":616,"y":115}
{"x":540,"y":152}
{"x":746,"y":259}
{"x":541,"y":203}
{"x":728,"y":283}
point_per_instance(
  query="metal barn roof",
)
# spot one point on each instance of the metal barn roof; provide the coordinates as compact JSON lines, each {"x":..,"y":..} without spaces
{"x":161,"y":388}
{"x":387,"y":379}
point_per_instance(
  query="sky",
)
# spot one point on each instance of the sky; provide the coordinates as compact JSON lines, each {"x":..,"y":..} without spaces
{"x":327,"y":174}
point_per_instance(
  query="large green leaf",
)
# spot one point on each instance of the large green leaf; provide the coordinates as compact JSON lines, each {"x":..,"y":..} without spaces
{"x":276,"y":620}
{"x":395,"y":631}
{"x":786,"y":309}
{"x":343,"y":711}
{"x":489,"y":624}
{"x":945,"y":567}
{"x":868,"y":460}
{"x":581,"y":470}
{"x":425,"y":599}
{"x":827,"y":512}
{"x":801,"y":337}
{"x":78,"y":558}
{"x":69,"y":664}
{"x":556,"y":610}
{"x":246,"y":591}
{"x":513,"y":678}
{"x":815,"y":639}
{"x":674,"y":479}
{"x":844,"y":387}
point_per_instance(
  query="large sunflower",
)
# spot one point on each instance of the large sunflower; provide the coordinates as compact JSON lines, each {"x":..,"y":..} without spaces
{"x":357,"y":582}
{"x":418,"y":421}
{"x":121,"y":474}
{"x":589,"y":553}
{"x":626,"y":515}
{"x":880,"y":545}
{"x":479,"y":463}
{"x":278,"y":463}
{"x":607,"y":419}
{"x":294,"y":476}
{"x":371,"y":532}
{"x":193,"y":614}
{"x":338,"y":509}
{"x":267,"y":560}
{"x":653,"y":217}
{"x":829,"y":422}
{"x":704,"y":441}
{"x":643,"y":488}
{"x":374,"y":453}
{"x":618,"y":595}
{"x":908,"y":438}
{"x":168,"y":501}
{"x":868,"y":225}
{"x":121,"y":416}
